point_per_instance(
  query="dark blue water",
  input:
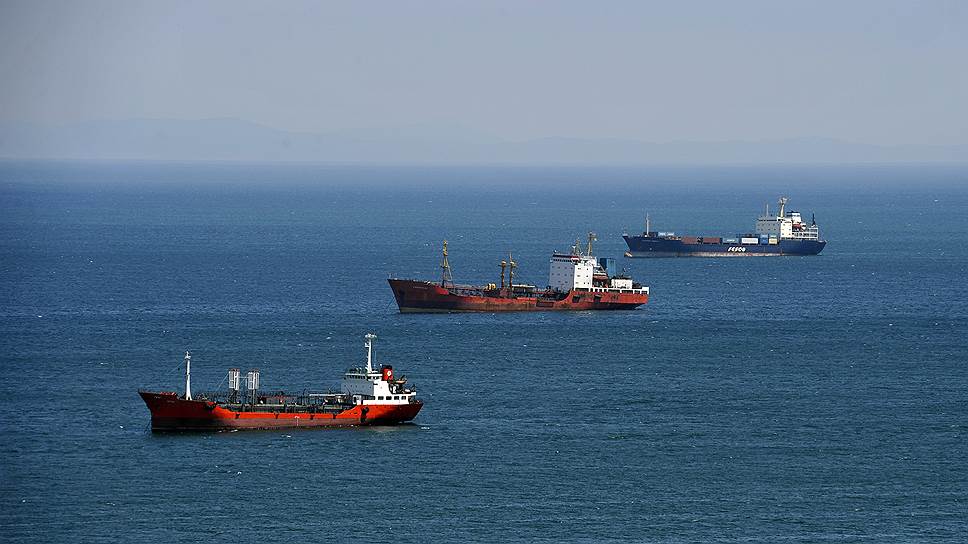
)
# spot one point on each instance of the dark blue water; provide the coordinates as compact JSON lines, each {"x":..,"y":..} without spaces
{"x":795,"y":399}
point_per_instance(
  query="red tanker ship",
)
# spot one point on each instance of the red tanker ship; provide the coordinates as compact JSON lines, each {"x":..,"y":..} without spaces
{"x":368,"y":397}
{"x":577,"y":281}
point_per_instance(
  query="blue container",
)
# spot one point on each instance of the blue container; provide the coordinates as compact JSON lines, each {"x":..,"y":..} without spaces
{"x":609,"y":264}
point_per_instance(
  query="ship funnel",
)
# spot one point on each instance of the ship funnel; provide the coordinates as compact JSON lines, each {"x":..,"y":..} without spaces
{"x":387,"y":372}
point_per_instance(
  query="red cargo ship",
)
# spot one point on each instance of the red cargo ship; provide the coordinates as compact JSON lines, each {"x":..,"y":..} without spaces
{"x":368,"y":397}
{"x":577,"y":281}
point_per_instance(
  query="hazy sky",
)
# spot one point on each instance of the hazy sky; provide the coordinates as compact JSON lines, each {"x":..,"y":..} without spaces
{"x":880,"y":72}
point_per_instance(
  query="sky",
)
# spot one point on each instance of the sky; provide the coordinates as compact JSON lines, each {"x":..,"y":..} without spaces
{"x":879,"y":72}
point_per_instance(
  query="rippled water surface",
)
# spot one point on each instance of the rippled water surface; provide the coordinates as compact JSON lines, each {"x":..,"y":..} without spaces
{"x":794,"y":399}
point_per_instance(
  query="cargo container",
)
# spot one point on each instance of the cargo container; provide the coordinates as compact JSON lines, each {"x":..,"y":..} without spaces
{"x":690,"y":239}
{"x":711,"y":240}
{"x":750,"y":240}
{"x":730,"y":240}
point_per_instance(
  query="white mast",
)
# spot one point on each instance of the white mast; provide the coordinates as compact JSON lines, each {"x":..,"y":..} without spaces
{"x":782,"y":203}
{"x":369,"y":351}
{"x":188,"y":376}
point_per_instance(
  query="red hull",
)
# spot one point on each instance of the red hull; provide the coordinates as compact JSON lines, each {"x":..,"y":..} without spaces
{"x":171,"y":413}
{"x":422,"y":296}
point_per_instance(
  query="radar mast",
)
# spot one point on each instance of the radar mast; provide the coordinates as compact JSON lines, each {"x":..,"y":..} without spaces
{"x":188,"y":376}
{"x":782,"y":204}
{"x":368,"y":344}
{"x":445,"y":275}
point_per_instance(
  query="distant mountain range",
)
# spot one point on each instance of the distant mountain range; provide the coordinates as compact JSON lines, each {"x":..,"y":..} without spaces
{"x":235,"y":140}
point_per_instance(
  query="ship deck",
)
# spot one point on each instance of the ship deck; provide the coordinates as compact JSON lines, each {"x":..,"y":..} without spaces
{"x":280,"y":402}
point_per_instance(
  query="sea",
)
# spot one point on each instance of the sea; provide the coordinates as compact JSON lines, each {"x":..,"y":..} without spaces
{"x":795,"y":399}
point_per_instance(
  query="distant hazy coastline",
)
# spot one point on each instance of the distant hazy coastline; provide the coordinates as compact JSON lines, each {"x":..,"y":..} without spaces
{"x":235,"y":140}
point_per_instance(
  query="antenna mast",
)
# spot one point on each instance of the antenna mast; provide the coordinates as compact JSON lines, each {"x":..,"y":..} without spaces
{"x":368,"y":343}
{"x":188,"y":376}
{"x":647,"y":230}
{"x":504,"y":265}
{"x":511,"y":266}
{"x":445,"y":276}
{"x":782,"y":203}
{"x":591,"y":238}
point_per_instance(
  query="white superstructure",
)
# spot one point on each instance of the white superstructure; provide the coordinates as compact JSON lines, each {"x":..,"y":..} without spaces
{"x":581,"y":272}
{"x":786,"y":225}
{"x":369,"y":386}
{"x":571,"y":271}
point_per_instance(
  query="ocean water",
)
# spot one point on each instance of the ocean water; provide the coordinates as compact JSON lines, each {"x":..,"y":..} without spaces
{"x":815,"y":399}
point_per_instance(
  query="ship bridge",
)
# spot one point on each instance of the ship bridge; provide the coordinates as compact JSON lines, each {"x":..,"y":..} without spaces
{"x":785,"y":225}
{"x":369,"y":386}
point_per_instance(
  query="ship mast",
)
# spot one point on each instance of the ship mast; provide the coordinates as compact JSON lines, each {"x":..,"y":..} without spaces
{"x":188,"y":376}
{"x":647,"y":224}
{"x":504,"y":265}
{"x":369,"y":350}
{"x":591,"y":238}
{"x":782,"y":203}
{"x":445,"y":276}
{"x":576,"y":249}
{"x":511,"y":266}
